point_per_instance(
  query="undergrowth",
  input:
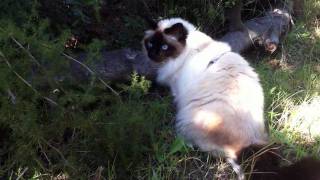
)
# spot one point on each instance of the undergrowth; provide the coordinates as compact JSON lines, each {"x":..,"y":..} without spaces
{"x":55,"y":127}
{"x":291,"y":82}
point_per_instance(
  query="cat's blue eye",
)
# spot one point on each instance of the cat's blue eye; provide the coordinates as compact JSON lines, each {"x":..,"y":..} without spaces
{"x":149,"y":44}
{"x":164,"y":47}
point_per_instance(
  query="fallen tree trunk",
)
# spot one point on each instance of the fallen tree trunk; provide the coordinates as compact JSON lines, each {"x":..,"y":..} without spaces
{"x":266,"y":31}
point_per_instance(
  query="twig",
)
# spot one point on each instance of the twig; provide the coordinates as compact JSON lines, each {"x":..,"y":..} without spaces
{"x":28,"y":52}
{"x":59,"y":152}
{"x":12,"y":97}
{"x":23,"y":172}
{"x":34,"y":60}
{"x":25,"y":81}
{"x":89,"y":70}
{"x":45,"y":155}
{"x":92,"y":73}
{"x":98,"y":173}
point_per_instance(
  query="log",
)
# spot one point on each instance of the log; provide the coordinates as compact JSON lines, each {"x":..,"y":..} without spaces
{"x":118,"y":65}
{"x":266,"y":31}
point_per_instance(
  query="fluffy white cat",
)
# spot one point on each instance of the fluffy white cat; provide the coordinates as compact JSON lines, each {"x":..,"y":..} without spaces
{"x":218,"y":95}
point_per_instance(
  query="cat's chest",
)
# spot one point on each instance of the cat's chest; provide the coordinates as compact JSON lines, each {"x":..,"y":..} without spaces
{"x":189,"y":75}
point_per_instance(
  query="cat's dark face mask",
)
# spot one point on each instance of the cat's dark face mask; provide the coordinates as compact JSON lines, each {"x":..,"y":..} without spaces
{"x":166,"y":44}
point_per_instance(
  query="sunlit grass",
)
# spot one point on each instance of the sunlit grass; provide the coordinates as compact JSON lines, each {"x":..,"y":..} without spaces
{"x":297,"y":116}
{"x":292,"y":90}
{"x":305,"y":119}
{"x":311,"y":9}
{"x":293,"y":113}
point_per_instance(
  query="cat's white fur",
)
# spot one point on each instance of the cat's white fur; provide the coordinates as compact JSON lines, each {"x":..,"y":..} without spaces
{"x":225,"y":96}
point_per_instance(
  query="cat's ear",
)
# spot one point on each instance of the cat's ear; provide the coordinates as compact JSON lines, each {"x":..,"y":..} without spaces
{"x":151,"y":23}
{"x":178,"y":31}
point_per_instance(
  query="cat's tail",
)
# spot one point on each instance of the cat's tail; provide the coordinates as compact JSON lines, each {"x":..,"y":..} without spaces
{"x":263,"y":162}
{"x":236,"y":168}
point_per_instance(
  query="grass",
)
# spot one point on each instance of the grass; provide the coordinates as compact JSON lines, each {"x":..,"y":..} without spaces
{"x":92,"y":134}
{"x":293,"y":88}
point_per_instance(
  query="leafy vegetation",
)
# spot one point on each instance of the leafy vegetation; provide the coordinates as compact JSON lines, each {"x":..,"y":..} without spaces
{"x":54,"y":127}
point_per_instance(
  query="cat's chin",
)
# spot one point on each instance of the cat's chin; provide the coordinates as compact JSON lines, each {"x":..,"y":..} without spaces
{"x":159,"y":62}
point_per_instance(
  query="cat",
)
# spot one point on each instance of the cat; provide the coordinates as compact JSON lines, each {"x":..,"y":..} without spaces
{"x":218,"y":95}
{"x":219,"y":98}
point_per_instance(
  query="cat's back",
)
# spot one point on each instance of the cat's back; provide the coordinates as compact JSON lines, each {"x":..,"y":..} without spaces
{"x":232,"y":78}
{"x":227,"y":74}
{"x":227,"y":95}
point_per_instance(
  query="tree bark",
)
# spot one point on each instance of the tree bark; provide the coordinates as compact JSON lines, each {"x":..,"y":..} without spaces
{"x":266,"y":31}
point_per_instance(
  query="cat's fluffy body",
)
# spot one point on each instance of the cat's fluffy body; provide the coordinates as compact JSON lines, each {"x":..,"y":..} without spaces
{"x":219,"y":104}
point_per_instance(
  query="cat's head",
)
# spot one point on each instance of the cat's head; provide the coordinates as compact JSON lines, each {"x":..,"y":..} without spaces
{"x":167,"y":39}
